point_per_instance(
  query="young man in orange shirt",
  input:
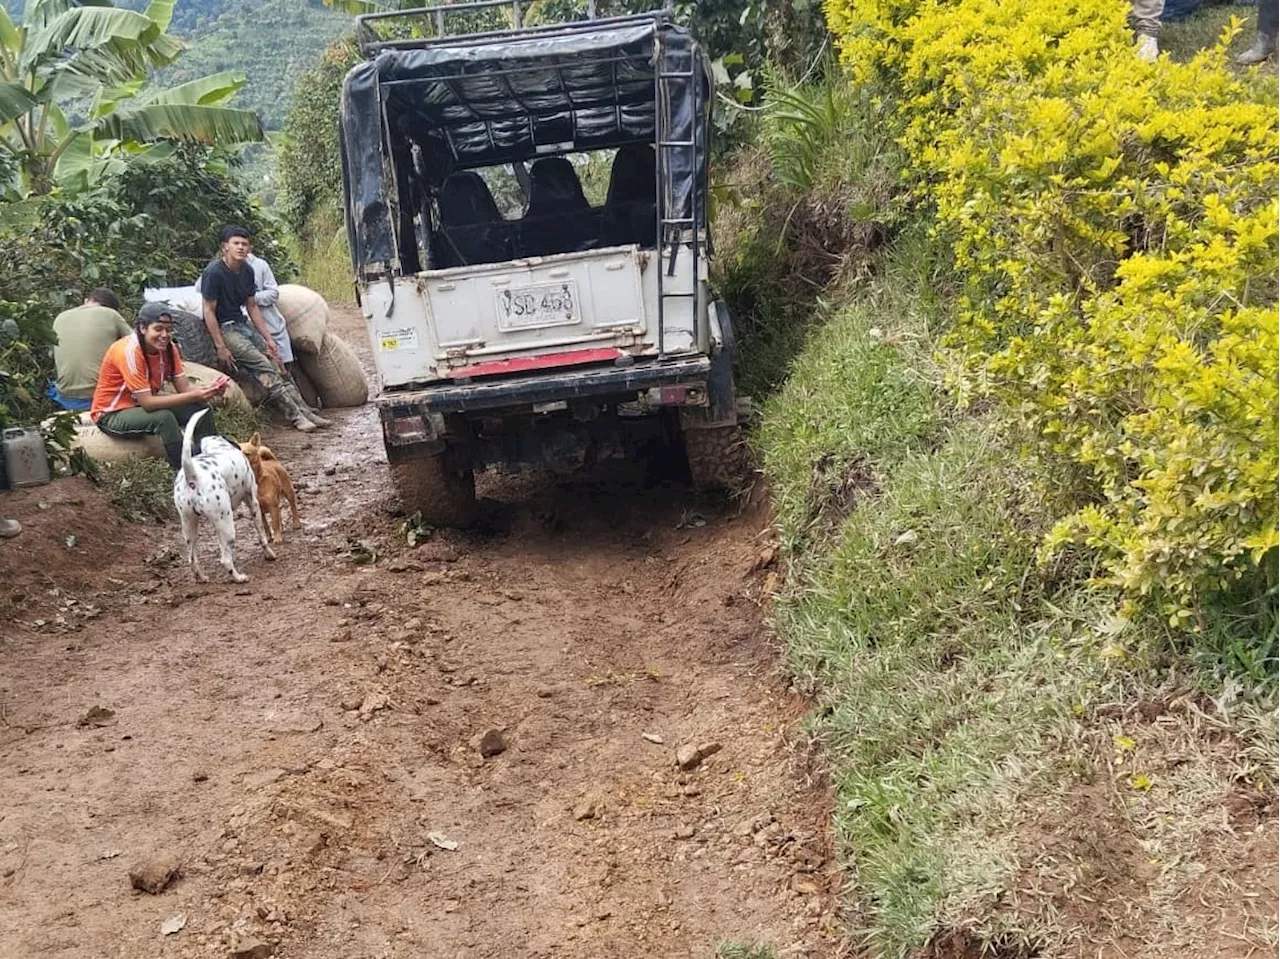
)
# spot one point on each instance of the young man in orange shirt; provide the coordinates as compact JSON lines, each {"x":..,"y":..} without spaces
{"x":127,"y":401}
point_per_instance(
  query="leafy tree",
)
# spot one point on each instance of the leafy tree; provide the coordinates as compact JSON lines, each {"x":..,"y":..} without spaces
{"x":310,"y":162}
{"x":789,"y":33}
{"x":96,"y":57}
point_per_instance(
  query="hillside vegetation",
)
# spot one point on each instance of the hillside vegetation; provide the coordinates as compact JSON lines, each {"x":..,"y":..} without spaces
{"x":1017,"y":331}
{"x":272,"y":42}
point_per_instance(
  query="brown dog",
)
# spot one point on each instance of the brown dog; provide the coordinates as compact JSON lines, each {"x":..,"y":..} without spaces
{"x":273,"y":485}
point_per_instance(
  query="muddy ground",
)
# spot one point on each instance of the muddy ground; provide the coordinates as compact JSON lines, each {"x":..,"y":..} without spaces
{"x":307,"y":746}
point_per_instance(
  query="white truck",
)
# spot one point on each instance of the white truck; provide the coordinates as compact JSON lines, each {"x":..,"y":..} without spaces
{"x":558,"y":331}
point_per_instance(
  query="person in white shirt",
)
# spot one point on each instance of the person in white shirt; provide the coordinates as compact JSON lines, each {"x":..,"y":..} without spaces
{"x":267,"y":296}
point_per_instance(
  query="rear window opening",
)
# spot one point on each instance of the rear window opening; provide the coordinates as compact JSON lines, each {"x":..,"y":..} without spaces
{"x":555,"y":204}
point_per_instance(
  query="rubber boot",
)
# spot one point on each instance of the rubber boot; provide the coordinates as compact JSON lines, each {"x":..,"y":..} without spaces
{"x":292,"y":412}
{"x":296,"y":396}
{"x":1264,"y":46}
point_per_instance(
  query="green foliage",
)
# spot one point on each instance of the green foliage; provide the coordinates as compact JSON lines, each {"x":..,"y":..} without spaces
{"x":141,"y":489}
{"x":153,"y":225}
{"x":799,"y":126}
{"x":72,"y":102}
{"x":325,"y":263}
{"x":26,"y":349}
{"x":1115,"y":227}
{"x":914,"y":609}
{"x":744,"y":950}
{"x":850,"y":408}
{"x":805,"y":210}
{"x":310,"y":162}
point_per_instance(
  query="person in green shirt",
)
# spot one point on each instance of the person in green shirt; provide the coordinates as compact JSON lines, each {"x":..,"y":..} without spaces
{"x":84,"y":335}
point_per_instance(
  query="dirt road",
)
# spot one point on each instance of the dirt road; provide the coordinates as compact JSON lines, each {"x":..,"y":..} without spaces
{"x":308,"y":745}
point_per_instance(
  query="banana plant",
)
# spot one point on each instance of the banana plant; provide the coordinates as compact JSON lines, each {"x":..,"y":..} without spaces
{"x":74,"y":99}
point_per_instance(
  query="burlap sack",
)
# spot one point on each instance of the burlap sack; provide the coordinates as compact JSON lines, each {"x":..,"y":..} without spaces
{"x":306,"y":316}
{"x":336,"y":373}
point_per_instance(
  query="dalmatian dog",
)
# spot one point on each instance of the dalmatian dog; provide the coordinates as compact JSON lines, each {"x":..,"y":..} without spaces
{"x":213,"y":484}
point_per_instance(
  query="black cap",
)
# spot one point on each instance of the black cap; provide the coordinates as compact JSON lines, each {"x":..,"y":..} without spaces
{"x":151,"y":312}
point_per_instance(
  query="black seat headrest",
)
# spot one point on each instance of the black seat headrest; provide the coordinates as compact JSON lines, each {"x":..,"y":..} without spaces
{"x":554,"y":188}
{"x":633,"y":178}
{"x":465,"y":200}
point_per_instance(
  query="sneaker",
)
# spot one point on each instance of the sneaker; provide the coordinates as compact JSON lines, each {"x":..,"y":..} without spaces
{"x":9,"y":528}
{"x":1148,"y":49}
{"x":1263,"y":47}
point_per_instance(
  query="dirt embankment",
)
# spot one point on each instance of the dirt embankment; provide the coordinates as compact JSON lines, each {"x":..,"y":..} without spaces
{"x":308,"y":746}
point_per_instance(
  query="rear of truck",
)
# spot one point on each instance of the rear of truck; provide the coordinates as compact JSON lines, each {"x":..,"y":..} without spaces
{"x":560,"y":331}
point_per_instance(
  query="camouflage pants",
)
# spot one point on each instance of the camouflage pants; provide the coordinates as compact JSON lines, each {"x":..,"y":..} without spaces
{"x":252,"y":363}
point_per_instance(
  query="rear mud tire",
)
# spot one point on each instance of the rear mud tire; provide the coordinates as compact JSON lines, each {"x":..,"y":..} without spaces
{"x":438,"y":486}
{"x":718,"y":458}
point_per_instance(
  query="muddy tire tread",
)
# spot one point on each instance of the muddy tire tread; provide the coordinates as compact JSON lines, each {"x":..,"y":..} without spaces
{"x":718,"y":458}
{"x":433,"y":485}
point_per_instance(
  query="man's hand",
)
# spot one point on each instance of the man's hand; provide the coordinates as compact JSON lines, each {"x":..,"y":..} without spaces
{"x":225,"y":358}
{"x":273,"y":354}
{"x":207,"y":393}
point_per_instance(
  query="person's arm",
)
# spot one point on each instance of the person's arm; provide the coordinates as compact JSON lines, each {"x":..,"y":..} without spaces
{"x":139,"y":386}
{"x":153,"y":402}
{"x":215,"y":332}
{"x":122,"y":328}
{"x":259,"y":324}
{"x":268,"y":290}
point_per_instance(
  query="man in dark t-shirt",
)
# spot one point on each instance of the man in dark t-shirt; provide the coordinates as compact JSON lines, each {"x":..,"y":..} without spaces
{"x":246,"y":347}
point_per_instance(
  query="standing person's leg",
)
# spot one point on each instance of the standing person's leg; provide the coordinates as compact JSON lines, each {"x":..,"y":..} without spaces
{"x":135,"y":422}
{"x":252,"y":362}
{"x":1264,"y":44}
{"x":1146,"y":24}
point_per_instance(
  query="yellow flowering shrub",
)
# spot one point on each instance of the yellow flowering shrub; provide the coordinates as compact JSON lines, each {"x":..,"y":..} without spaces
{"x":1114,"y":224}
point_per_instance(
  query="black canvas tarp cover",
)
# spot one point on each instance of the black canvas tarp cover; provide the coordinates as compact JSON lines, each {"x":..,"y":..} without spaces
{"x":480,"y":102}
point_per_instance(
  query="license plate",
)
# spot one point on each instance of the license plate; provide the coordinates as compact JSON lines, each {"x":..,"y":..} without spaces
{"x":536,"y":305}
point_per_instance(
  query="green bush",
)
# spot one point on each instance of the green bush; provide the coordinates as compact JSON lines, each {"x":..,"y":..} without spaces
{"x":1114,"y":224}
{"x":310,"y":163}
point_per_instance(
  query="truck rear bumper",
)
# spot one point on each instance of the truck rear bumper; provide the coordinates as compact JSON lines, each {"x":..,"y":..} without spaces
{"x":549,"y":387}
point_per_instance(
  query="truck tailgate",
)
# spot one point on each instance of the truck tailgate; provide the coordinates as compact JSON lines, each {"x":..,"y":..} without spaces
{"x":560,"y":303}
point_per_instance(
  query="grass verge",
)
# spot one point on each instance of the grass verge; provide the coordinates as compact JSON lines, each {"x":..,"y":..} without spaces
{"x":324,"y":264}
{"x":744,"y":950}
{"x":1019,"y":771}
{"x":1005,"y":750}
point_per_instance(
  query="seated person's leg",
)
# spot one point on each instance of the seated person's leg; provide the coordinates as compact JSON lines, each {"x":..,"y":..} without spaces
{"x":251,"y":361}
{"x":204,"y":428}
{"x":135,"y":422}
{"x":247,"y":349}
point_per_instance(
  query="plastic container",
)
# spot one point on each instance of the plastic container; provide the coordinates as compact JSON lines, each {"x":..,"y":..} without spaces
{"x":23,"y":457}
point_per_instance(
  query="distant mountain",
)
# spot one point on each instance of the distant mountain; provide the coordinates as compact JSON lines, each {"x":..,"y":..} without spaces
{"x":188,"y":16}
{"x":272,"y":42}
